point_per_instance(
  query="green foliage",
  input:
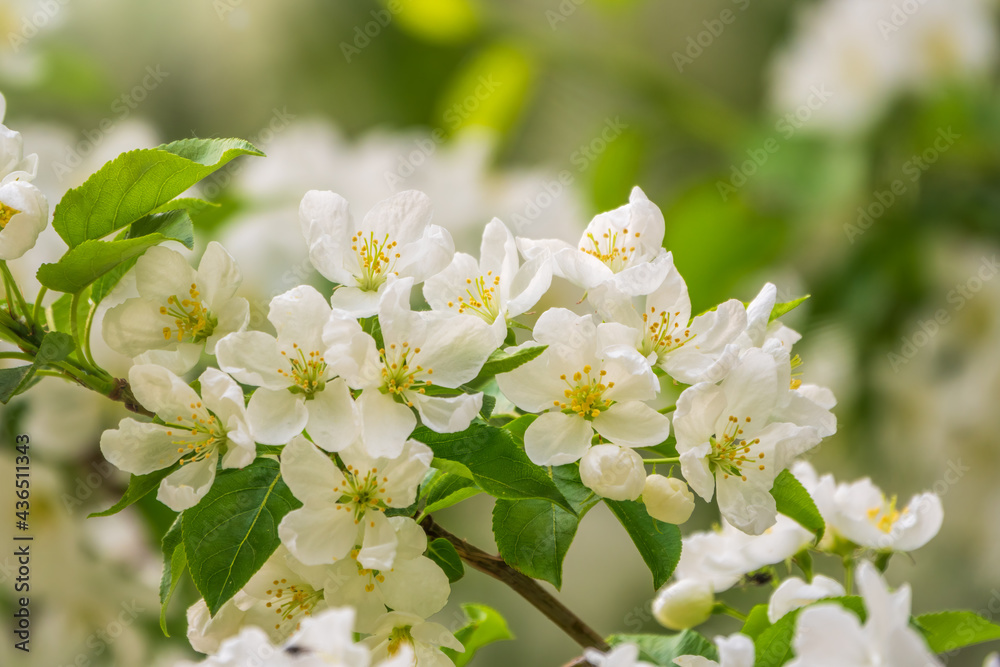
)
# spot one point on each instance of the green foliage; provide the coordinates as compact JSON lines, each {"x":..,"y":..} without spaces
{"x":786,"y":307}
{"x":444,"y":489}
{"x":138,"y":182}
{"x":794,"y":501}
{"x":498,"y":466}
{"x":949,"y":630}
{"x":90,"y":260}
{"x":442,"y":552}
{"x":234,"y":529}
{"x":502,"y":361}
{"x":138,"y":487}
{"x":485,"y":627}
{"x":774,"y":643}
{"x":533,"y":536}
{"x":662,"y":649}
{"x":658,"y":543}
{"x":174,"y":565}
{"x":54,"y":347}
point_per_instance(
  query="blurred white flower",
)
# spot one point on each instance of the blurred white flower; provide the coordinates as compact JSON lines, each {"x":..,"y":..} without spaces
{"x":827,"y":635}
{"x":684,"y":604}
{"x":795,"y":592}
{"x":396,"y":630}
{"x":623,"y":655}
{"x":613,"y":472}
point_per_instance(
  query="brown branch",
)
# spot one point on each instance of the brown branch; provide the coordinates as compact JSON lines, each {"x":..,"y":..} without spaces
{"x":122,"y":393}
{"x":523,"y":585}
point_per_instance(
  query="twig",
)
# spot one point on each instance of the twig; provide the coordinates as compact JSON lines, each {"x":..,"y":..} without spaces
{"x":523,"y":585}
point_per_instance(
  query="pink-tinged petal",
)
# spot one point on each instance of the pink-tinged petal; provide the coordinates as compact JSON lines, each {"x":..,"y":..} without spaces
{"x":632,"y":424}
{"x":555,"y":438}
{"x":276,"y":415}
{"x":185,"y":487}
{"x":254,"y":358}
{"x":447,"y":414}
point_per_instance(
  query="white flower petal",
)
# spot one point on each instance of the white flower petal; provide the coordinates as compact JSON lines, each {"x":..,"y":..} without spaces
{"x":276,"y":415}
{"x":378,"y":549}
{"x":417,"y":586}
{"x":447,"y":414}
{"x":332,"y":421}
{"x":311,"y":475}
{"x":385,"y":424}
{"x":183,"y":488}
{"x":254,"y":358}
{"x":555,"y":438}
{"x":632,"y":424}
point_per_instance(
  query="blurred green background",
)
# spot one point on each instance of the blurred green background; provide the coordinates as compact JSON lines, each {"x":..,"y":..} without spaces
{"x":882,"y":202}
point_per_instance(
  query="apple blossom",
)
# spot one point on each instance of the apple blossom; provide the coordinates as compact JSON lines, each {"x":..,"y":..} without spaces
{"x":584,"y":388}
{"x":667,"y":499}
{"x":297,"y":388}
{"x":180,"y":311}
{"x":734,"y":651}
{"x":684,"y":604}
{"x":395,"y":240}
{"x":827,"y":635}
{"x":622,"y":655}
{"x":494,"y":289}
{"x":197,"y":430}
{"x":414,"y":584}
{"x":613,"y":472}
{"x":422,"y":351}
{"x":623,"y":247}
{"x":342,"y":507}
{"x":24,"y":213}
{"x":396,"y":630}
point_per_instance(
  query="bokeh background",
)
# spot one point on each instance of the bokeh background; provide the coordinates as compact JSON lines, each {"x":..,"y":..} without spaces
{"x":847,"y":149}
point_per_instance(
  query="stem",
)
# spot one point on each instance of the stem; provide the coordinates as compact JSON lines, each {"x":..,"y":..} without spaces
{"x":667,"y":410}
{"x":672,"y":459}
{"x":848,"y":575}
{"x":16,"y":355}
{"x":81,"y":343}
{"x":523,"y":585}
{"x":36,"y":311}
{"x":723,"y":608}
{"x":85,"y":349}
{"x":9,"y":278}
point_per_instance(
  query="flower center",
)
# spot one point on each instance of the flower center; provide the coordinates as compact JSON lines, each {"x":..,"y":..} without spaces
{"x":585,"y":394}
{"x":398,"y":638}
{"x":614,"y":249}
{"x":290,"y":600}
{"x":885,"y":516}
{"x":400,"y":374}
{"x":6,"y":213}
{"x":663,"y":332}
{"x":362,"y":492}
{"x":730,"y":452}
{"x":376,"y":259}
{"x":372,"y":575}
{"x":210,"y":434}
{"x":482,"y":298}
{"x":192,"y":319}
{"x":307,"y":372}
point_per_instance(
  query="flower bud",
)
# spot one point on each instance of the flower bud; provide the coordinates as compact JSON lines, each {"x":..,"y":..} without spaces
{"x":613,"y":472}
{"x":668,"y":499}
{"x":684,"y":604}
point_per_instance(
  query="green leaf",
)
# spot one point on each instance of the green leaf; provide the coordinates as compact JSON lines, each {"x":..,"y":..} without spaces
{"x":502,"y":361}
{"x":443,"y":553}
{"x":949,"y":630}
{"x":786,"y":307}
{"x":175,"y":225}
{"x":90,"y":260}
{"x":757,"y":621}
{"x":12,"y":380}
{"x":658,"y":543}
{"x":234,"y":529}
{"x":174,"y":564}
{"x":59,"y":311}
{"x":497,"y":464}
{"x":485,"y":627}
{"x":794,"y":501}
{"x":55,"y":347}
{"x":445,"y":489}
{"x":138,"y":487}
{"x":664,"y":648}
{"x":517,"y":427}
{"x":533,"y":536}
{"x":137,"y":183}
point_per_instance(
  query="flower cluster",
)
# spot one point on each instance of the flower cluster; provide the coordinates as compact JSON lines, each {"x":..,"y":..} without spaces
{"x":24,"y":211}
